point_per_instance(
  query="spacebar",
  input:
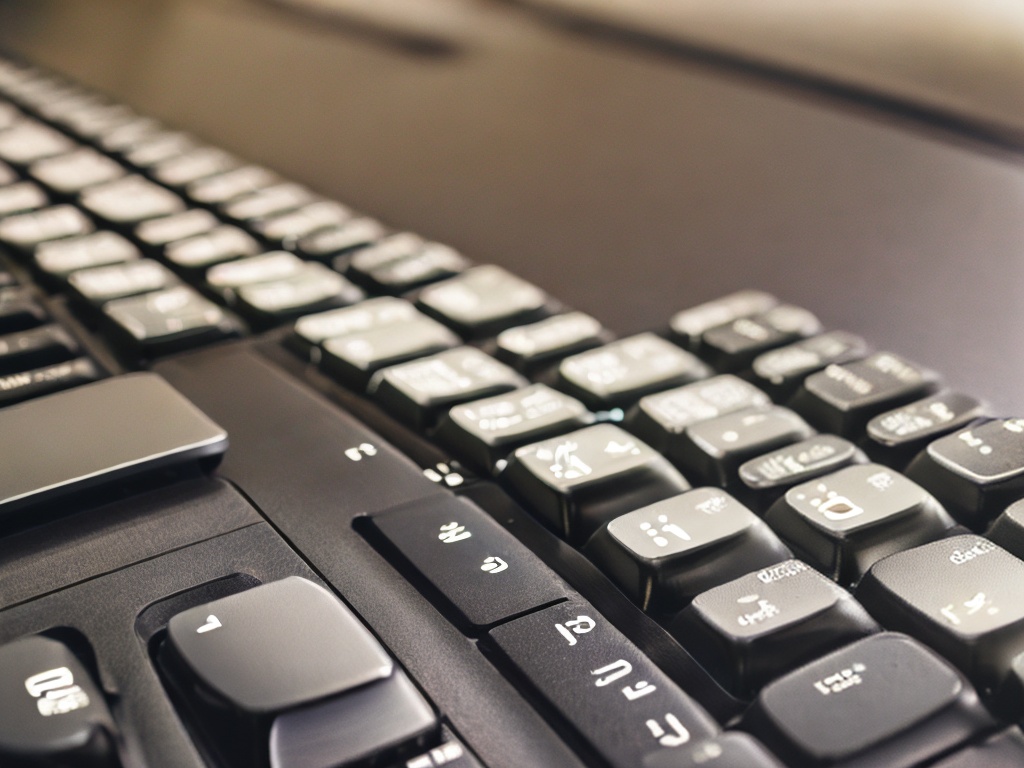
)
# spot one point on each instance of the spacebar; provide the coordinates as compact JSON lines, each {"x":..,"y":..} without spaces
{"x":99,"y":434}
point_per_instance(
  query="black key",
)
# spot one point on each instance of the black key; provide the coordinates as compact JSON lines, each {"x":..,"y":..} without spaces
{"x":227,"y":278}
{"x":843,"y":398}
{"x":484,"y":432}
{"x":313,"y":330}
{"x":44,"y":381}
{"x":230,"y":185}
{"x":689,"y":325}
{"x":665,"y":554}
{"x":168,"y":321}
{"x":221,"y":244}
{"x":578,"y":482}
{"x":267,"y":201}
{"x":71,"y":173}
{"x":975,"y":472}
{"x":285,"y":229}
{"x":22,"y":197}
{"x":620,"y":703}
{"x":331,"y":241}
{"x":389,"y":250}
{"x":158,"y":233}
{"x":961,"y":596}
{"x":313,"y":288}
{"x":93,"y":123}
{"x":132,"y":424}
{"x":713,"y":450}
{"x":732,"y":749}
{"x":1004,"y":750}
{"x":844,"y":522}
{"x":897,"y":436}
{"x":764,"y":479}
{"x":478,"y":571}
{"x":753,"y":629}
{"x":662,"y":418}
{"x":734,"y":345}
{"x":157,"y":148}
{"x":36,"y":348}
{"x":419,"y":392}
{"x":1008,"y":529}
{"x":19,"y":310}
{"x":527,"y":348}
{"x":403,"y":262}
{"x":781,"y":371}
{"x":483,"y":301}
{"x":27,"y":230}
{"x":126,"y":202}
{"x":95,"y":287}
{"x":27,"y":141}
{"x":51,"y":710}
{"x":126,"y":135}
{"x":618,"y":374}
{"x":884,"y":700}
{"x":199,"y":163}
{"x":59,"y":258}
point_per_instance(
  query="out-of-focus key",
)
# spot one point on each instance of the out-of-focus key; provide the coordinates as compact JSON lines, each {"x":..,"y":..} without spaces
{"x":19,"y":310}
{"x":230,"y":185}
{"x":734,"y":345}
{"x":221,"y":244}
{"x":689,"y":325}
{"x":155,"y":234}
{"x":71,"y":173}
{"x":21,"y":197}
{"x":59,"y":258}
{"x":127,"y":201}
{"x":43,"y":381}
{"x":27,"y":141}
{"x":35,"y":348}
{"x":780,"y":371}
{"x":27,"y":230}
{"x":528,"y":348}
{"x":331,"y":241}
{"x":95,"y":287}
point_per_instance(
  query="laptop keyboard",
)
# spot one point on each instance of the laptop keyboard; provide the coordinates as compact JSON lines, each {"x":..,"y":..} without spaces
{"x":282,"y":486}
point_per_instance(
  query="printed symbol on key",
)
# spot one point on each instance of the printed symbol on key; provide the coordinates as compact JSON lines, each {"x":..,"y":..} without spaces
{"x":363,"y":449}
{"x":212,"y":623}
{"x":494,"y":565}
{"x":578,"y":626}
{"x":56,"y":692}
{"x":666,"y":527}
{"x":453,"y":532}
{"x":678,"y":736}
{"x":618,"y":669}
{"x":564,"y":461}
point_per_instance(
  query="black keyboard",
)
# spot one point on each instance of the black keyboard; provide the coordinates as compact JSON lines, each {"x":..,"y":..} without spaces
{"x":283,"y":486}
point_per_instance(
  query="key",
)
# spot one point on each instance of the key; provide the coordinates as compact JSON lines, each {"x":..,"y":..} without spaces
{"x":975,"y":472}
{"x":155,"y":234}
{"x":59,"y":258}
{"x":618,"y":374}
{"x":133,"y":425}
{"x":665,"y":554}
{"x":895,"y":437}
{"x":43,"y":381}
{"x":171,"y":320}
{"x":51,"y":710}
{"x":484,"y":432}
{"x":285,"y":229}
{"x":961,"y":596}
{"x":157,"y":148}
{"x":660,"y":419}
{"x":22,"y":197}
{"x":266,"y":202}
{"x":483,"y":301}
{"x":478,"y":572}
{"x":884,"y":700}
{"x":311,"y":331}
{"x":843,"y":398}
{"x":27,"y":141}
{"x":19,"y":310}
{"x":127,"y":201}
{"x":622,"y":706}
{"x":403,"y":262}
{"x":27,"y":230}
{"x":528,"y":348}
{"x":713,"y":450}
{"x":331,"y":241}
{"x":844,"y":522}
{"x":390,"y":249}
{"x":71,"y":173}
{"x":198,"y":163}
{"x":126,"y":135}
{"x":91,"y":123}
{"x":227,"y":278}
{"x":312,"y":288}
{"x":36,"y":348}
{"x":689,"y":325}
{"x":230,"y":185}
{"x":419,"y":392}
{"x":224,"y":243}
{"x":732,"y":749}
{"x":780,"y":371}
{"x":734,"y":346}
{"x":1008,"y":529}
{"x":750,"y":630}
{"x":578,"y":482}
{"x":95,"y":287}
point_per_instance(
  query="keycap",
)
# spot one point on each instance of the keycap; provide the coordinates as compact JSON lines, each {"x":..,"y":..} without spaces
{"x":230,"y":185}
{"x":844,"y":522}
{"x":19,"y":309}
{"x":127,"y":201}
{"x":884,"y":700}
{"x":897,"y":436}
{"x":158,"y":233}
{"x":267,"y":201}
{"x":157,"y":148}
{"x":618,"y":374}
{"x":312,"y":288}
{"x":59,"y":258}
{"x":528,"y":348}
{"x":622,"y":706}
{"x":734,"y":345}
{"x":484,"y":432}
{"x":331,"y":241}
{"x":285,"y":229}
{"x":712,"y":451}
{"x":21,"y":197}
{"x":224,"y":243}
{"x":51,"y":710}
{"x":732,"y":749}
{"x":975,"y":472}
{"x":751,"y":630}
{"x":227,"y":278}
{"x":28,"y":140}
{"x":665,"y":554}
{"x":199,"y":163}
{"x":843,"y":398}
{"x":23,"y":385}
{"x":311,"y":331}
{"x":27,"y":230}
{"x":689,"y":325}
{"x":35,"y":348}
{"x":578,"y":482}
{"x":400,"y":263}
{"x":660,"y":419}
{"x":483,"y":301}
{"x":95,"y":287}
{"x":961,"y":596}
{"x":166,"y":321}
{"x":480,"y":574}
{"x":1008,"y":529}
{"x":71,"y":173}
{"x":128,"y":134}
{"x":780,"y":371}
{"x":131,"y":425}
{"x":419,"y":392}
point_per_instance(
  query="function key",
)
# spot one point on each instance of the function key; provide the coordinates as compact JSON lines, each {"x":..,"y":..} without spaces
{"x":733,"y":346}
{"x":689,"y":325}
{"x":267,"y":201}
{"x":127,"y":201}
{"x":884,"y":700}
{"x":155,"y":234}
{"x":753,"y":629}
{"x":59,"y":258}
{"x":484,"y":432}
{"x":665,"y":554}
{"x":27,"y":141}
{"x":95,"y":287}
{"x":198,"y":163}
{"x":285,"y":229}
{"x":896,"y":436}
{"x":418,"y":392}
{"x":221,"y":244}
{"x":230,"y":185}
{"x":843,"y":398}
{"x":327,"y":243}
{"x":618,"y":374}
{"x":844,"y":522}
{"x":27,"y":230}
{"x":21,"y":197}
{"x":71,"y":173}
{"x":975,"y":472}
{"x":483,"y":301}
{"x":528,"y":348}
{"x":578,"y":482}
{"x":781,"y":371}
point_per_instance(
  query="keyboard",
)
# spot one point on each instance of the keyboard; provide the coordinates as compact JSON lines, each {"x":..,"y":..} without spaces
{"x":284,"y":486}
